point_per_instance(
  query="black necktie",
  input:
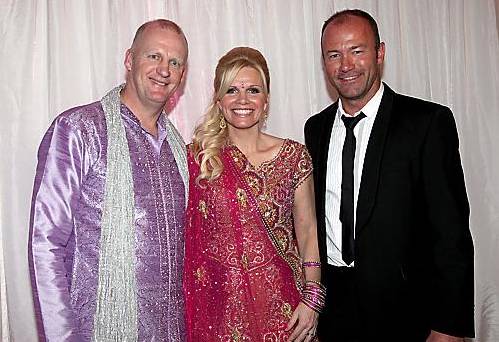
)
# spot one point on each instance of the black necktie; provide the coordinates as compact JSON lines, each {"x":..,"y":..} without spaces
{"x":346,"y":207}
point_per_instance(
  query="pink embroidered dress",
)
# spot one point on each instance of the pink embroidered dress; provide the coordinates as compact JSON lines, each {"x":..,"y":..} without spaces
{"x":243,"y":274}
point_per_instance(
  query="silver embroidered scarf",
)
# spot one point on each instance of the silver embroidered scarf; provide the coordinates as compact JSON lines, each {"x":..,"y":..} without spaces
{"x":116,"y":312}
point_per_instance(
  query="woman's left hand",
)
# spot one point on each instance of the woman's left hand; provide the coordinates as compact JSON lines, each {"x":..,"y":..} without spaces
{"x":304,"y":321}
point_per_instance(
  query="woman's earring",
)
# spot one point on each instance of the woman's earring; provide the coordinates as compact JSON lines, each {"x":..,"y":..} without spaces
{"x":222,"y":123}
{"x":264,"y":123}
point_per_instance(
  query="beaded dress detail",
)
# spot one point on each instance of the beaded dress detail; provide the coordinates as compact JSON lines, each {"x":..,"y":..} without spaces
{"x":242,"y":271}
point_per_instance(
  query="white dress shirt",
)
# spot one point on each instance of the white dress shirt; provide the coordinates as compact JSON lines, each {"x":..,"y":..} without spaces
{"x":362,"y":131}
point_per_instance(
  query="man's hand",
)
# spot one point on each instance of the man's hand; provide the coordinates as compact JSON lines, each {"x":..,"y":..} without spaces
{"x":435,"y":336}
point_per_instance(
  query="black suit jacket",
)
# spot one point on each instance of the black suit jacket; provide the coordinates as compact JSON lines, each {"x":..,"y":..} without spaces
{"x":413,"y":247}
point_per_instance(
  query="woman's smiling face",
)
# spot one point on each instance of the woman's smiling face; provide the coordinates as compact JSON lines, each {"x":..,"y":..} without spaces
{"x":245,"y":102}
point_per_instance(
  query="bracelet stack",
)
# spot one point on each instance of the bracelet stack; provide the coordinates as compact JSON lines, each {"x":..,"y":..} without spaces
{"x":314,"y":295}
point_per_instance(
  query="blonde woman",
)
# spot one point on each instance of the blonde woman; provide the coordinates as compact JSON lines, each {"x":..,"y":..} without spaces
{"x":252,"y":270}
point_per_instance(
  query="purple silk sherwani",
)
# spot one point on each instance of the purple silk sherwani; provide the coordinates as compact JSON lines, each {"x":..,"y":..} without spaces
{"x":65,"y":226}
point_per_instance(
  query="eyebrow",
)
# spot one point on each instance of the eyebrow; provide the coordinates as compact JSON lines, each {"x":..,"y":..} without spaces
{"x":169,"y":57}
{"x":249,"y":86}
{"x":357,"y":46}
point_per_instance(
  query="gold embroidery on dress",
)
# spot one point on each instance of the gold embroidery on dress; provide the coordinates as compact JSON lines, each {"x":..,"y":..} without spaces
{"x":236,"y":335}
{"x":200,"y":275}
{"x":268,"y":213}
{"x":253,"y":184}
{"x":286,"y":310}
{"x":269,"y":206}
{"x":244,"y":261}
{"x":282,"y":242}
{"x":242,"y":198}
{"x":303,"y":167}
{"x":203,"y":208}
{"x":272,"y":183}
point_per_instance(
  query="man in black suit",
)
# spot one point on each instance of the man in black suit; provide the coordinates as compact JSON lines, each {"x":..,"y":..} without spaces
{"x":392,"y":209}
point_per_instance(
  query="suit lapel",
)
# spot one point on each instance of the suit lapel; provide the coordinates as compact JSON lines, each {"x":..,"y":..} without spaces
{"x":372,"y":161}
{"x":324,"y":140}
{"x":322,"y":148}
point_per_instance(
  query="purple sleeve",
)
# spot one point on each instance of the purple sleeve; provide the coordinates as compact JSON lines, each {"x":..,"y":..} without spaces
{"x":55,"y":195}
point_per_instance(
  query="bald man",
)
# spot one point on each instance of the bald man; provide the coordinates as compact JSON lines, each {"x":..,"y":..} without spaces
{"x":106,"y":228}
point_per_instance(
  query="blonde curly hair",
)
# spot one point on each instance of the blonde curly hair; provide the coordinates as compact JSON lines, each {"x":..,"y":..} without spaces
{"x":209,"y":137}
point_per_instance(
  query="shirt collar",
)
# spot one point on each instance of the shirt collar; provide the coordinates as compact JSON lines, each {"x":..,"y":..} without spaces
{"x":130,"y":117}
{"x":371,"y":107}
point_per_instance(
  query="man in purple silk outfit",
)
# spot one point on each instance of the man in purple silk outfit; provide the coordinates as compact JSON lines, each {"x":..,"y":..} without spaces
{"x":83,"y":288}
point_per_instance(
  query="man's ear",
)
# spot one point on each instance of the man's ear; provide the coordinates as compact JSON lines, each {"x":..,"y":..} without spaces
{"x":182,"y":77}
{"x":128,"y":60}
{"x":380,"y":54}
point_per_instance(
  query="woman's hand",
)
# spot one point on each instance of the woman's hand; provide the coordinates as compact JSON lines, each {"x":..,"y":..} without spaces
{"x":304,"y":321}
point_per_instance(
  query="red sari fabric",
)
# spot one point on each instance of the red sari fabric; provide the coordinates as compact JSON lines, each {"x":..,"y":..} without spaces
{"x":243,"y":273}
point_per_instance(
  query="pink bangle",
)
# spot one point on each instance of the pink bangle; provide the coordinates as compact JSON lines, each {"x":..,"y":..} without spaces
{"x":314,"y":295}
{"x":311,"y":264}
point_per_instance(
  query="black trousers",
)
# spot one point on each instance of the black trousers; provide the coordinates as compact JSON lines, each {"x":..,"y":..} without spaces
{"x":338,"y":321}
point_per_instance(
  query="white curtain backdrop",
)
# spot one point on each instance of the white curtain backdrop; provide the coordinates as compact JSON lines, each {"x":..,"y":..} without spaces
{"x":59,"y":54}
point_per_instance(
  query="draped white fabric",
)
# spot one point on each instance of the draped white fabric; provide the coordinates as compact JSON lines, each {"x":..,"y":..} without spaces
{"x":58,"y":54}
